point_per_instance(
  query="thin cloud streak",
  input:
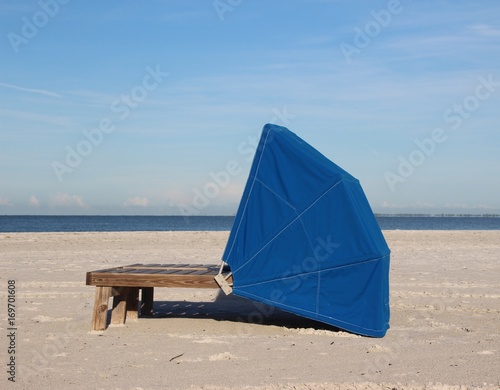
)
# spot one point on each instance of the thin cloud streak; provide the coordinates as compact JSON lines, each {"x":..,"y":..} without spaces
{"x":32,"y":90}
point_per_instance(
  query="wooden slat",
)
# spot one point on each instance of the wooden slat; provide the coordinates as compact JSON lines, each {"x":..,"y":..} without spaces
{"x":154,"y":280}
{"x":205,"y":272}
{"x":168,"y":267}
{"x":172,"y":272}
{"x":114,"y":271}
{"x":141,"y":271}
{"x":156,"y":275}
{"x":181,"y":266}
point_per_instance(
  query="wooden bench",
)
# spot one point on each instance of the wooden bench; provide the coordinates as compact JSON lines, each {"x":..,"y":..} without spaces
{"x":124,"y":284}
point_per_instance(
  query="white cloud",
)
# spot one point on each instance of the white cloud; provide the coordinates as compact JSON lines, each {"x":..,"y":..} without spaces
{"x":386,"y":205}
{"x":34,"y":201}
{"x":424,"y":205}
{"x":416,"y":205}
{"x":57,"y":120}
{"x":455,"y":205}
{"x":66,"y":200}
{"x":5,"y":202}
{"x":136,"y":201}
{"x":484,"y":29}
{"x":484,"y":206}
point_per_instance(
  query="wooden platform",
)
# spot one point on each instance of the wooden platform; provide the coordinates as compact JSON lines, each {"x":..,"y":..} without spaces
{"x":132,"y":288}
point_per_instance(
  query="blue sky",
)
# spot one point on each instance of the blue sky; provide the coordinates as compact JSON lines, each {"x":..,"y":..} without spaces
{"x":121,"y":107}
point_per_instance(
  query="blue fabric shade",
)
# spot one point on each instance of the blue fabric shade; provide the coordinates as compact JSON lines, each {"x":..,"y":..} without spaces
{"x":305,"y":239}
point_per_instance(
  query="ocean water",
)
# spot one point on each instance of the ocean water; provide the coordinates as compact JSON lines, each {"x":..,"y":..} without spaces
{"x":99,"y":223}
{"x":27,"y":223}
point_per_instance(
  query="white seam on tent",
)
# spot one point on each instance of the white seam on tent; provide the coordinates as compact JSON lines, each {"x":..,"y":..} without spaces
{"x":248,"y":198}
{"x":312,"y":272}
{"x":318,"y":292}
{"x":276,"y":194}
{"x":315,"y":256}
{"x":280,"y":305}
{"x":286,"y":227}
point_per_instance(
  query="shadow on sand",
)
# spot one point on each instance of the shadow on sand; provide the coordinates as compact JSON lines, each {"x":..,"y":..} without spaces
{"x":235,"y":309}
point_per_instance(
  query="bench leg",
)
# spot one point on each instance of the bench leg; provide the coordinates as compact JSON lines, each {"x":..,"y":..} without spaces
{"x":100,"y":314}
{"x":133,"y":303}
{"x":119,"y":312}
{"x":147,"y":301}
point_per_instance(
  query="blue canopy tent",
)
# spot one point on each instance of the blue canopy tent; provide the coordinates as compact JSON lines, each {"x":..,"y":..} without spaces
{"x":305,"y":239}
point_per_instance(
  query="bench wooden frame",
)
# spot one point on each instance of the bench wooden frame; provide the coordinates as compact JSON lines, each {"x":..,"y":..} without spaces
{"x":125,"y":283}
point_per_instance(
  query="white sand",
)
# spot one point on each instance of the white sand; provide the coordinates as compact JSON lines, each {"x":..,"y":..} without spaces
{"x":445,"y":321}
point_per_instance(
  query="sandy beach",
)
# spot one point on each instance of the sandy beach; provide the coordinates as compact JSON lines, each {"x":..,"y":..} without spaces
{"x":445,"y":320}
